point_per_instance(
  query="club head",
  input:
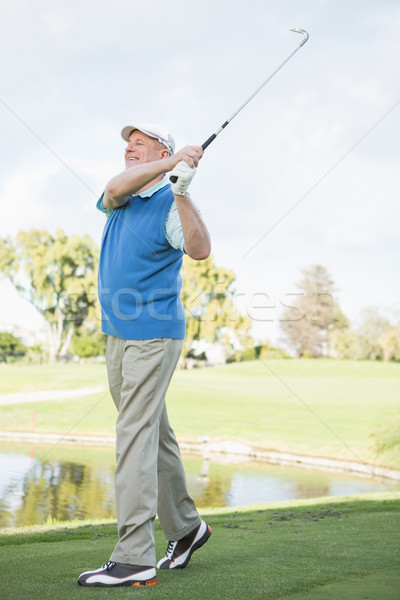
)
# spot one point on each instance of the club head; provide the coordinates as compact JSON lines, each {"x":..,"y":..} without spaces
{"x":303,"y":32}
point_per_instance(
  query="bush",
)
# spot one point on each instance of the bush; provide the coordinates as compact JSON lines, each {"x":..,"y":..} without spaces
{"x":86,"y":345}
{"x":265,"y":351}
{"x":11,"y":347}
{"x":268,"y":352}
{"x":387,"y":441}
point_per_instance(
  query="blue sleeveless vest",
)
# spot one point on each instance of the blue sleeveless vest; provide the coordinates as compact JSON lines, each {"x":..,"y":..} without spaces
{"x":139,"y":272}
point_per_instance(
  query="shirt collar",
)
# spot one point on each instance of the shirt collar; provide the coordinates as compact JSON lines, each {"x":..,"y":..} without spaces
{"x":148,"y":193}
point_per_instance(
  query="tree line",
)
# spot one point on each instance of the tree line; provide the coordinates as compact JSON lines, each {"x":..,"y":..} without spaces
{"x":57,"y":274}
{"x":315,"y":326}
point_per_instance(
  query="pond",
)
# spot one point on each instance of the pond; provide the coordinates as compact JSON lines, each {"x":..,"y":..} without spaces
{"x":40,"y":484}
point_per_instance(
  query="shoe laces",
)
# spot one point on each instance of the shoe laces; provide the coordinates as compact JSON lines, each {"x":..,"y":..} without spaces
{"x":109,"y":565}
{"x":170,"y":549}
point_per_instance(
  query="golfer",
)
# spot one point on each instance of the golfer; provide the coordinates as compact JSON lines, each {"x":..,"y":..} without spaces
{"x":150,"y":224}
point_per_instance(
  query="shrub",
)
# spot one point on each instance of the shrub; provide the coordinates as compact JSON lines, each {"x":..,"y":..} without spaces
{"x":11,"y":347}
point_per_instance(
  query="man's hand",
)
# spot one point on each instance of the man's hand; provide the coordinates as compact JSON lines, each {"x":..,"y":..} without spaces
{"x":190,"y":154}
{"x":181,"y":177}
{"x":186,"y":161}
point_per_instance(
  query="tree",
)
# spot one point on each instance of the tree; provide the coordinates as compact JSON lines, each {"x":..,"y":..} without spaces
{"x":372,"y":328}
{"x":207,"y":296}
{"x":306,"y":322}
{"x":57,"y":274}
{"x":373,"y":337}
{"x":346,"y":343}
{"x":389,"y":342}
{"x":11,"y":347}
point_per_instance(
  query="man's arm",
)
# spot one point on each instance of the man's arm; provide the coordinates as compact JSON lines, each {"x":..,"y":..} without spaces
{"x":195,"y":232}
{"x":119,"y":189}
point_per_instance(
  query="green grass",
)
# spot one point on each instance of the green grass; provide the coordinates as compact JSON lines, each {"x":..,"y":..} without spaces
{"x":323,"y":547}
{"x":31,"y":378}
{"x":320,"y":407}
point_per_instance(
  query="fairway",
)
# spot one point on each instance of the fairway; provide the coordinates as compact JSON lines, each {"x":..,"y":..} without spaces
{"x":335,"y":550}
{"x":323,"y":550}
{"x":318,"y":407}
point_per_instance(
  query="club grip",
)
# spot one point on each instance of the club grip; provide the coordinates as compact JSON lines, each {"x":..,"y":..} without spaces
{"x":174,"y":178}
{"x":208,"y":142}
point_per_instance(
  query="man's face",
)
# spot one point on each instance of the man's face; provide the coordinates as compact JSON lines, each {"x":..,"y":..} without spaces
{"x":142,"y":148}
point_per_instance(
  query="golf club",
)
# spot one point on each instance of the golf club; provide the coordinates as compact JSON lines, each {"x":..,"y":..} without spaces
{"x":173,"y":178}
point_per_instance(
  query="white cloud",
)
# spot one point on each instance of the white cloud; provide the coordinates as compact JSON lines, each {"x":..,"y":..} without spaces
{"x":20,"y":198}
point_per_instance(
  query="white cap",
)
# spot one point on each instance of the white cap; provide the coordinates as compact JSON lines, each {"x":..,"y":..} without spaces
{"x":154,"y":131}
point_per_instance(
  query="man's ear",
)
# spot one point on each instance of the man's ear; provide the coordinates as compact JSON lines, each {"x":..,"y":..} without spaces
{"x":164,"y":153}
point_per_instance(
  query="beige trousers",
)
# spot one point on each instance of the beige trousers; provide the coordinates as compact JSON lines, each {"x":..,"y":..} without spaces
{"x":149,"y":475}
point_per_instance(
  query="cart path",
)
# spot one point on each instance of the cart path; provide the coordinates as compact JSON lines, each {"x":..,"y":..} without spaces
{"x":47,"y":395}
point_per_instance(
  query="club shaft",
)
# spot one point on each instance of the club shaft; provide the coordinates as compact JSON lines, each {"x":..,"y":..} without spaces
{"x":214,"y":135}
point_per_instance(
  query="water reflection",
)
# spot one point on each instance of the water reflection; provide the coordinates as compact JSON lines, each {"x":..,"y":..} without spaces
{"x":38,"y":484}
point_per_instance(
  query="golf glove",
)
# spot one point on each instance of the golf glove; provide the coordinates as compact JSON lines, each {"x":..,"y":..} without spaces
{"x":184,"y":175}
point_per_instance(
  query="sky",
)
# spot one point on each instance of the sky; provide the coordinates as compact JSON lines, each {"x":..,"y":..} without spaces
{"x":306,"y":174}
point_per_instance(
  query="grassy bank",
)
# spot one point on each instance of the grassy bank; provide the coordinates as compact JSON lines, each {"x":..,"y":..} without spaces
{"x":328,"y":408}
{"x":345,"y":549}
